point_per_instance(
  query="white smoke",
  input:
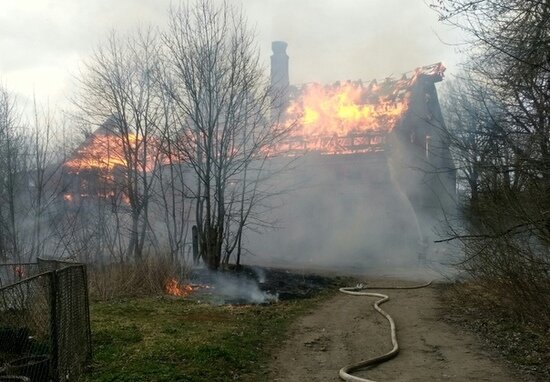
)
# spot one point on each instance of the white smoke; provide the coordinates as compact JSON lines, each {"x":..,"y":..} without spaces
{"x":234,"y":288}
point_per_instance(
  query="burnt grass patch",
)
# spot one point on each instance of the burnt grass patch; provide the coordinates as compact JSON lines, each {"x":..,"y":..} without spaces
{"x":243,"y":285}
{"x":523,"y":343}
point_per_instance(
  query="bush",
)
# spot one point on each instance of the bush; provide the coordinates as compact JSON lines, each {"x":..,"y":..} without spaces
{"x":509,"y":258}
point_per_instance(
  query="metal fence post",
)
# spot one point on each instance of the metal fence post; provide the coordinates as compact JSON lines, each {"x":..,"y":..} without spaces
{"x":60,"y":301}
{"x":87,"y":304}
{"x":54,"y":328}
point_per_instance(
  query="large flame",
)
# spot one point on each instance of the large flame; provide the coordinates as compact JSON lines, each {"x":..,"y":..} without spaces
{"x":106,"y":151}
{"x":342,"y":109}
{"x":101,"y":152}
{"x":345,"y":117}
{"x":349,"y":117}
{"x":112,"y":159}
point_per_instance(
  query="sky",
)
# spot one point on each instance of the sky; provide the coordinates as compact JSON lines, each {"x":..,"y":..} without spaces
{"x":43,"y":42}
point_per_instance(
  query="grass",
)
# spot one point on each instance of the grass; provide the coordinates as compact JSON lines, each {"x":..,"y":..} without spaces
{"x":163,"y":339}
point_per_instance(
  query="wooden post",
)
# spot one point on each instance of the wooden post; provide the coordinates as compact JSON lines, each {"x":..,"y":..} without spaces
{"x":195,"y":234}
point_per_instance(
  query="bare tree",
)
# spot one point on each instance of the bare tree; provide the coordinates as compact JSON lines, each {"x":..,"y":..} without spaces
{"x":30,"y":181}
{"x":118,"y":86}
{"x":172,"y":194}
{"x":222,"y":100}
{"x":11,"y":155}
{"x":470,"y":114}
{"x":508,"y":243}
{"x":43,"y":178}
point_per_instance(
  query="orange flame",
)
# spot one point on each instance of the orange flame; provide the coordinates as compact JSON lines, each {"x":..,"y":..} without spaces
{"x":350,"y":117}
{"x":174,"y":288}
{"x":345,"y":117}
{"x":112,"y":158}
{"x":343,"y":109}
{"x":105,"y":151}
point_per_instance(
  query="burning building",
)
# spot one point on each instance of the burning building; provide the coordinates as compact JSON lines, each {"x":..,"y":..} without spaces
{"x":100,"y":166}
{"x":374,"y":171}
{"x":95,"y":169}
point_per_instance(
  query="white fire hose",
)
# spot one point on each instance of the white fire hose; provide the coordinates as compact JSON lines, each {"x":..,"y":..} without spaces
{"x":345,"y":372}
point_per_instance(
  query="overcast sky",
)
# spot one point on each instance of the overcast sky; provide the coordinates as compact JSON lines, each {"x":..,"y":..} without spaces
{"x":43,"y":41}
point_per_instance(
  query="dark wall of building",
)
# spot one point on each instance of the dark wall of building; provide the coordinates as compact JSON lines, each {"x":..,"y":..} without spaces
{"x":420,"y":159}
{"x":342,"y":211}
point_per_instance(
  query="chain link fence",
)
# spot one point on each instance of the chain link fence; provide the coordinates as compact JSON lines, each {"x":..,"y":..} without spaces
{"x":12,"y":273}
{"x":44,"y":321}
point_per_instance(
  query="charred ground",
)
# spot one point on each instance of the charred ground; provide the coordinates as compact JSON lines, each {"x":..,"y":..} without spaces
{"x":238,"y":285}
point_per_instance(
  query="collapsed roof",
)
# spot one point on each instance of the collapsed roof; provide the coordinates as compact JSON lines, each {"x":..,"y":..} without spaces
{"x":351,"y":116}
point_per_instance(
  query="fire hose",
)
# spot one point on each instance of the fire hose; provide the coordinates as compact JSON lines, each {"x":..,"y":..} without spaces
{"x":345,"y":372}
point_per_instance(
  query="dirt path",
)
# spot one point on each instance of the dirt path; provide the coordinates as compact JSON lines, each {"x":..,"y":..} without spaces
{"x":347,"y":329}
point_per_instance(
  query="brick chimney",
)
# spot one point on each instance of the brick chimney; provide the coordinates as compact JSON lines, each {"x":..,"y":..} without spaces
{"x":279,"y":74}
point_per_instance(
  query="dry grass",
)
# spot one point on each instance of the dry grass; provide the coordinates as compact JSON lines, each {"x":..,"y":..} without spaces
{"x":130,"y":279}
{"x":483,"y":309}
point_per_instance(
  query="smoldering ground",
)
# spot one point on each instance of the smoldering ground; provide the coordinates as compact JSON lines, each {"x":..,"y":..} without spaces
{"x":258,"y":285}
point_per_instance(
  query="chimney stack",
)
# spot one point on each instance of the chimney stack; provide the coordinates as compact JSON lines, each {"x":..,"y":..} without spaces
{"x":279,"y":65}
{"x":279,"y":74}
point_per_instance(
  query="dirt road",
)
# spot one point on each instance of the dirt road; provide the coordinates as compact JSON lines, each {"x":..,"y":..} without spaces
{"x":347,"y":329}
